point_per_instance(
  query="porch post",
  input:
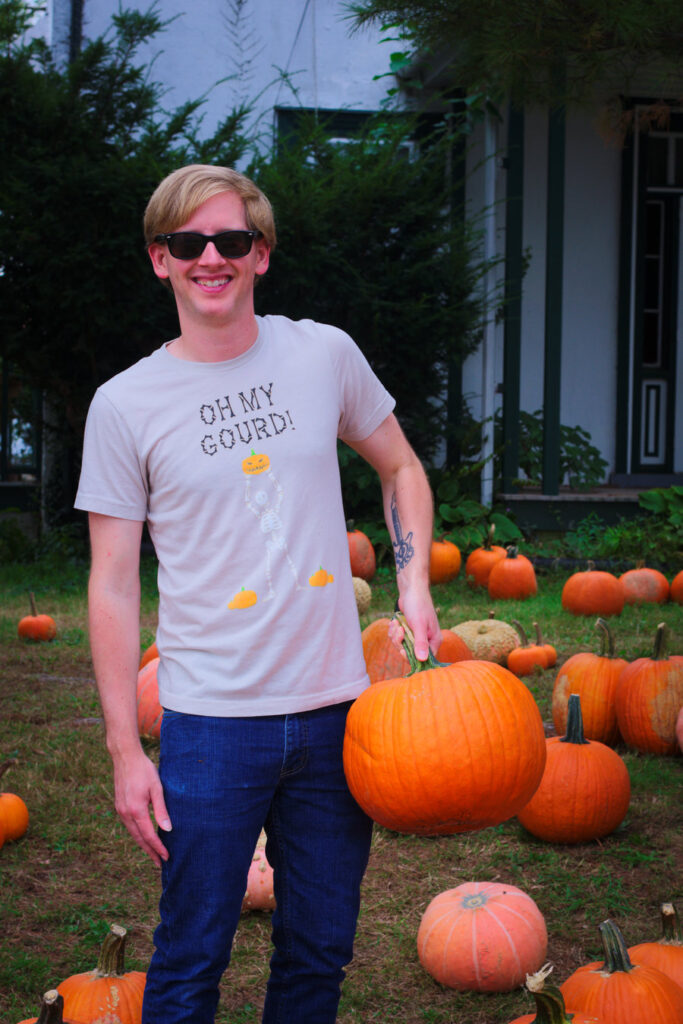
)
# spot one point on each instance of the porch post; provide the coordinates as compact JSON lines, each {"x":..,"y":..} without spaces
{"x":553,"y":301}
{"x":514,"y":264}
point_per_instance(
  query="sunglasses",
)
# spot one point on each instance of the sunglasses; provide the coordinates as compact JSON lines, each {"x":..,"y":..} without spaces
{"x":189,"y":245}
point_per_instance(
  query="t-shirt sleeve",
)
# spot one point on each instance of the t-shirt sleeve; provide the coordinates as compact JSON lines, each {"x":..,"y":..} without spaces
{"x":113,"y":479}
{"x":364,"y":401}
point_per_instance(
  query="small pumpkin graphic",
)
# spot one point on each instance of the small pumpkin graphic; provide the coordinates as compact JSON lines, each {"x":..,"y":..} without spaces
{"x":255,"y":463}
{"x":321,"y":578}
{"x":243,"y":599}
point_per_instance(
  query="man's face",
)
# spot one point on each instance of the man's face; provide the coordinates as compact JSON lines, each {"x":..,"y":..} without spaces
{"x":211,"y":289}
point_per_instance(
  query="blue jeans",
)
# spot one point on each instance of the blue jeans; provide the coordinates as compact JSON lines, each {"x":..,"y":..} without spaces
{"x":224,"y":779}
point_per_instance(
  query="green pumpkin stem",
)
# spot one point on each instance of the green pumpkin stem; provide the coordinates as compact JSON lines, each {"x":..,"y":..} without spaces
{"x":671,"y":925}
{"x":51,"y":1008}
{"x":659,"y":653}
{"x":550,"y":1008}
{"x":574,"y":732}
{"x":614,"y":946}
{"x":607,"y":646}
{"x":409,"y":647}
{"x":111,"y":954}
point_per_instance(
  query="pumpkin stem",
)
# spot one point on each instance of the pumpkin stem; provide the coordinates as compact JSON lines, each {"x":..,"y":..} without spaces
{"x":659,"y":653}
{"x":550,"y":1008}
{"x":32,"y":602}
{"x":539,"y":634}
{"x":111,"y":955}
{"x":7,"y":764}
{"x":614,"y":946}
{"x":574,"y":732}
{"x":607,"y":646}
{"x":671,"y":925}
{"x":488,"y":540}
{"x":520,"y":629}
{"x":409,"y":646}
{"x":512,"y":551}
{"x":51,"y":1008}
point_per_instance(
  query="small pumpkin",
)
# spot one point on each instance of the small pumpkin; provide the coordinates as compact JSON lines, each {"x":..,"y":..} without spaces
{"x":260,"y":894}
{"x":666,"y":953}
{"x":149,"y":710}
{"x":383,"y":659}
{"x":361,"y":553}
{"x":585,"y":790}
{"x":13,"y":812}
{"x":618,"y":991}
{"x":528,"y":657}
{"x":149,"y":654}
{"x":676,"y":588}
{"x":489,"y":639}
{"x":452,"y":648}
{"x":550,"y":1008}
{"x":363,"y":594}
{"x":594,"y":678}
{"x":51,"y":1010}
{"x":645,"y":586}
{"x":444,"y":561}
{"x":482,"y":937}
{"x":36,"y":627}
{"x":108,"y":992}
{"x":513,"y":578}
{"x":404,"y":756}
{"x":593,"y":592}
{"x":550,"y":651}
{"x":480,"y":561}
{"x":255,"y":463}
{"x":648,"y":698}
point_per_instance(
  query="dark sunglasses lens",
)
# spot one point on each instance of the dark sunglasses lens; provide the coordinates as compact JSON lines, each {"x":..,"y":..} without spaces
{"x":233,"y":244}
{"x":185,"y":245}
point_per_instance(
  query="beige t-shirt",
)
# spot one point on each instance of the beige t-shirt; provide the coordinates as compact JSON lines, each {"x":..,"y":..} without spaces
{"x":234,"y":467}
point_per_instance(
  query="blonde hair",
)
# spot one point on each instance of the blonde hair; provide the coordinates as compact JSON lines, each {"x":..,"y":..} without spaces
{"x":183,"y":191}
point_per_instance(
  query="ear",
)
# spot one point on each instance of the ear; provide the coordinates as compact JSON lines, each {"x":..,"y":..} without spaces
{"x":158,"y":254}
{"x":262,"y":256}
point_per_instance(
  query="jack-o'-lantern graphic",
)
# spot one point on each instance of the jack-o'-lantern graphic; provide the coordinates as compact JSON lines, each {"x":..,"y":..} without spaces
{"x":255,"y":463}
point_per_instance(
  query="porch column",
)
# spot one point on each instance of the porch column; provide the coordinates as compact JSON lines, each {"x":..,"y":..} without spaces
{"x":514,"y":263}
{"x":553,"y":301}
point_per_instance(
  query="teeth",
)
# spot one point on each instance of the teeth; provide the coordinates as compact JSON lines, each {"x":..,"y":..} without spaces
{"x":213,"y":283}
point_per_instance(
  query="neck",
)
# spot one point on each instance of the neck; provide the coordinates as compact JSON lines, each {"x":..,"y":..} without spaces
{"x":207,"y":343}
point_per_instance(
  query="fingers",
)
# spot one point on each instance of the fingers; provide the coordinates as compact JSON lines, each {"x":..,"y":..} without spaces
{"x":135,"y":794}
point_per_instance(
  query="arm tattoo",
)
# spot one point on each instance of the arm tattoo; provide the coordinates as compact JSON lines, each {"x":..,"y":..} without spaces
{"x":403,"y":548}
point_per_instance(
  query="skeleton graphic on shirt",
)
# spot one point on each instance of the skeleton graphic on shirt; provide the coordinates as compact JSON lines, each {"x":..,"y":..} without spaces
{"x":264,"y":500}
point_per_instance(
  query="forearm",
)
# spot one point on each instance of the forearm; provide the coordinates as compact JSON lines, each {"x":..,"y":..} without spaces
{"x":409,"y":513}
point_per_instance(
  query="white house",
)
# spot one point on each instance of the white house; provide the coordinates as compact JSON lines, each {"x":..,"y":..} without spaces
{"x":597,"y":338}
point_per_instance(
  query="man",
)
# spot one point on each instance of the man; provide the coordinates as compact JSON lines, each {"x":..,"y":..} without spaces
{"x":224,"y":442}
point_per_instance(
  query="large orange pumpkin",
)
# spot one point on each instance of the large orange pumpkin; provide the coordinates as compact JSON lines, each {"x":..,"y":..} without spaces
{"x":594,"y":678}
{"x":480,"y":561}
{"x":482,"y":937}
{"x":149,"y":654}
{"x":648,"y":698}
{"x":383,"y":659}
{"x":108,"y":992}
{"x":150,"y":711}
{"x":618,"y":991}
{"x":593,"y":592}
{"x":666,"y":954}
{"x":585,"y":790}
{"x":361,"y":554}
{"x":550,"y":1008}
{"x":676,"y":588}
{"x":512,"y":578}
{"x":51,"y":1010}
{"x":405,"y":759}
{"x":645,"y":586}
{"x":444,"y":561}
{"x":13,"y":812}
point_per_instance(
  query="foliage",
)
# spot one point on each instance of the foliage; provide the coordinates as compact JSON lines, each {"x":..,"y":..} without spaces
{"x":503,"y":49}
{"x":581,"y":464}
{"x":369,"y":240}
{"x":667,"y":504}
{"x":83,"y":147}
{"x":461,"y":518}
{"x":654,"y":537}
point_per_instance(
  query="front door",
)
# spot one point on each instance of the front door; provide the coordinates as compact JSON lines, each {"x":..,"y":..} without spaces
{"x":657,"y":309}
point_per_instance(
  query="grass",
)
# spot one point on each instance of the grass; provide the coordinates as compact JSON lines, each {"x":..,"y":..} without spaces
{"x":76,"y":870}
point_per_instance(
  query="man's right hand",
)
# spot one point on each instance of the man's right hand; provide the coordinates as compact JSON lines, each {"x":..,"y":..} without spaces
{"x":137,"y":787}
